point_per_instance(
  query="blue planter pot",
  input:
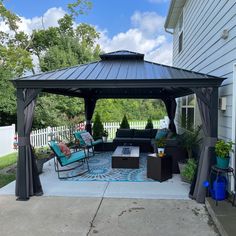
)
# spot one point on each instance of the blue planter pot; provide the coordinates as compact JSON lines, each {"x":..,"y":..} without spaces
{"x":222,"y":163}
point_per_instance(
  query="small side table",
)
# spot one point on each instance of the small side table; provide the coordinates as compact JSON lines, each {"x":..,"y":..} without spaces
{"x":159,"y":168}
{"x":219,"y":172}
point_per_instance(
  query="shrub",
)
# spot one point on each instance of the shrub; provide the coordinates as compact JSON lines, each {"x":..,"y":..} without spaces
{"x":189,"y":170}
{"x":124,"y":123}
{"x":149,"y":124}
{"x":97,"y":127}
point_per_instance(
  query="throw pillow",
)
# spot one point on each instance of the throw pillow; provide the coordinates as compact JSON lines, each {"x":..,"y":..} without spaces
{"x":161,"y":133}
{"x":87,"y":138}
{"x":64,"y":149}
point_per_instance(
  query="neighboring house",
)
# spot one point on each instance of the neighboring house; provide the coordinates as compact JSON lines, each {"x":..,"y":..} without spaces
{"x":204,"y":40}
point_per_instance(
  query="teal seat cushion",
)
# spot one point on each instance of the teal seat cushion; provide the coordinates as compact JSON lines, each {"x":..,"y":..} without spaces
{"x":97,"y":142}
{"x":161,"y":133}
{"x":78,"y":137}
{"x":56,"y":148}
{"x":76,"y":156}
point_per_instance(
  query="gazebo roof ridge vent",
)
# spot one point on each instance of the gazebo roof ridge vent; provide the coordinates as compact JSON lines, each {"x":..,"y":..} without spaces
{"x":122,"y":54}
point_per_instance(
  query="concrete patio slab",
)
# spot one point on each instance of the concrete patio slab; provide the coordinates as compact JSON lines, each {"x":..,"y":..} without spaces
{"x":46,"y":216}
{"x":59,"y":216}
{"x":172,"y":189}
{"x":135,"y":217}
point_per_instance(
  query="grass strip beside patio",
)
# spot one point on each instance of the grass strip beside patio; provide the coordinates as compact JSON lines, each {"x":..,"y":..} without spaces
{"x":6,"y":179}
{"x":8,"y":160}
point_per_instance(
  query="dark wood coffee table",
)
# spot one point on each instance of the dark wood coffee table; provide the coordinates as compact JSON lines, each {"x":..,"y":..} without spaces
{"x":126,"y":157}
{"x":159,"y":168}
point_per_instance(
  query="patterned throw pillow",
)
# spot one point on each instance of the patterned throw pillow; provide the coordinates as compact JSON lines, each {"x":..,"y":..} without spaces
{"x":87,"y":138}
{"x":64,"y":149}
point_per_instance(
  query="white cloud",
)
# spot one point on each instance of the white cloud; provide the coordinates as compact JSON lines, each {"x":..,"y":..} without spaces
{"x":143,"y":38}
{"x":49,"y":19}
{"x":148,"y":22}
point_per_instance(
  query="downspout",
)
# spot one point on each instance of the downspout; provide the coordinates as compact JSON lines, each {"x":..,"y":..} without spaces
{"x":234,"y":124}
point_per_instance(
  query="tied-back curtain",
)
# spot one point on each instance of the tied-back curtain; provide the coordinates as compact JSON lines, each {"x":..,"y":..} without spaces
{"x":89,"y":105}
{"x":209,"y":119}
{"x":171,"y":105}
{"x":27,"y":179}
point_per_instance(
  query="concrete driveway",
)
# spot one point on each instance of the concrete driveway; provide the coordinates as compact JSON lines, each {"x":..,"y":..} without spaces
{"x":49,"y":216}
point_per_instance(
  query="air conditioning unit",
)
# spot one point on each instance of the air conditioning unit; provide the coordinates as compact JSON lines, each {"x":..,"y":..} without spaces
{"x":222,"y":103}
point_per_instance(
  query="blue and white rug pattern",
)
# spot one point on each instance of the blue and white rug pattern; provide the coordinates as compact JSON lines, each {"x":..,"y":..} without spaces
{"x":100,"y":170}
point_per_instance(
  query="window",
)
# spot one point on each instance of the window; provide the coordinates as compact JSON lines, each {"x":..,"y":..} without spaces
{"x":187,"y":109}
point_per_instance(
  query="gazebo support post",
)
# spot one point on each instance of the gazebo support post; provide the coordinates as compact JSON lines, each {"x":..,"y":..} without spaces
{"x":89,"y":105}
{"x":21,"y":191}
{"x":27,"y":179}
{"x":207,"y":99}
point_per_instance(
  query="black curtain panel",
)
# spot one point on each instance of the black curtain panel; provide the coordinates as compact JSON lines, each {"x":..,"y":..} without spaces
{"x":89,"y":105}
{"x":171,"y":105}
{"x":207,"y":99}
{"x":27,"y":178}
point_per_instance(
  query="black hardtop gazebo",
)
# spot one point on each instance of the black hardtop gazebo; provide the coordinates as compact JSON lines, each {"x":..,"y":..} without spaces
{"x":120,"y":74}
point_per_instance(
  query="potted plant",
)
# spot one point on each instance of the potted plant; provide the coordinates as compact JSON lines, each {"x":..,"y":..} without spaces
{"x":97,"y":127}
{"x":189,"y":140}
{"x":222,"y":150}
{"x":161,"y":143}
{"x":42,"y":155}
{"x":188,"y":172}
{"x":104,"y":136}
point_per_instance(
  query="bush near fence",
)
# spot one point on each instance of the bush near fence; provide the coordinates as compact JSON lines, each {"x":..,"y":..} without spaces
{"x":39,"y":137}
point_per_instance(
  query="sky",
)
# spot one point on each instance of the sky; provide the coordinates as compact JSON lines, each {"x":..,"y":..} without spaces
{"x":135,"y":25}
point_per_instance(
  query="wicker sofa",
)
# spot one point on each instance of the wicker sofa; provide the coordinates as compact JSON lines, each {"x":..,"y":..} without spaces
{"x":145,"y":139}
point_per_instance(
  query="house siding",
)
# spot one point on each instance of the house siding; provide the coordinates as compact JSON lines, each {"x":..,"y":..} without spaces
{"x":204,"y":50}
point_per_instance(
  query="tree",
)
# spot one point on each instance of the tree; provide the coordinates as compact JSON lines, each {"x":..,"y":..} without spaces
{"x":97,"y":127}
{"x":60,"y":47}
{"x":124,"y":123}
{"x":15,"y":59}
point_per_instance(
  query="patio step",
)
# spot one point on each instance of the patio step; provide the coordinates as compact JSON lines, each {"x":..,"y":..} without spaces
{"x":223,"y":215}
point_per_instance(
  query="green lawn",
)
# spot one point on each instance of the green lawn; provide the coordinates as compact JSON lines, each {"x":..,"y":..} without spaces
{"x":8,"y":160}
{"x":6,"y":179}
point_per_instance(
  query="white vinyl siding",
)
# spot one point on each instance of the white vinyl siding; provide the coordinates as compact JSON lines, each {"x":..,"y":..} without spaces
{"x":206,"y":51}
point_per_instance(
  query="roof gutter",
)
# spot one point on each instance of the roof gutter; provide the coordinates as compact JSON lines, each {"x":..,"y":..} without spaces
{"x":169,"y":15}
{"x":170,"y":32}
{"x":175,"y":9}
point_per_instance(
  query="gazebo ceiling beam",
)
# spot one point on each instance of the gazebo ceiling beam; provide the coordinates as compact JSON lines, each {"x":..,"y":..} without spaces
{"x":92,"y":84}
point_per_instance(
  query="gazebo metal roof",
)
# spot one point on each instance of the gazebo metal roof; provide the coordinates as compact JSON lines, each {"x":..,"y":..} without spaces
{"x":118,"y":74}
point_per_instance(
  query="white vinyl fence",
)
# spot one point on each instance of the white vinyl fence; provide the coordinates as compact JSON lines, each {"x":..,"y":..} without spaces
{"x":7,"y":134}
{"x":40,"y":137}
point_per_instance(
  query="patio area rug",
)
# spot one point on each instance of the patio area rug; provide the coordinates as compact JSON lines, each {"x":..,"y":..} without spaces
{"x":100,"y":170}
